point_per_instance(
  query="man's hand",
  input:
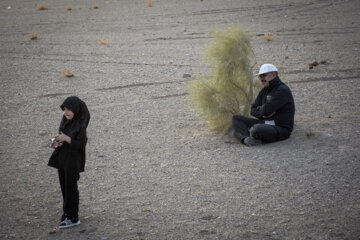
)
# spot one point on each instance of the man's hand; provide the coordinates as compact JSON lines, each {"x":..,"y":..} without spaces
{"x":62,"y":137}
{"x":269,"y":116}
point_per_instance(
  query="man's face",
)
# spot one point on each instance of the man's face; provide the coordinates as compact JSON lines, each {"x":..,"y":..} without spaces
{"x":266,"y":78}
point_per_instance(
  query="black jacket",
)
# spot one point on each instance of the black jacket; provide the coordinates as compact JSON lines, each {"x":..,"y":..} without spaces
{"x":71,"y":157}
{"x":275,"y":98}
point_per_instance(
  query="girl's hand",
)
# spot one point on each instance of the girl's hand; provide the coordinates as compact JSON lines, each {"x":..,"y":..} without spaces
{"x":62,"y":137}
{"x":53,"y":143}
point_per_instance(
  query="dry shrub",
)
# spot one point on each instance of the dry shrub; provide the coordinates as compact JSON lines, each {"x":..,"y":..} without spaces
{"x":68,"y":7}
{"x":96,"y":5}
{"x":102,"y":41}
{"x":33,"y":35}
{"x":315,"y":63}
{"x":149,"y":3}
{"x":231,"y":88}
{"x":310,"y":134}
{"x":67,"y":72}
{"x":42,"y":6}
{"x":269,"y":36}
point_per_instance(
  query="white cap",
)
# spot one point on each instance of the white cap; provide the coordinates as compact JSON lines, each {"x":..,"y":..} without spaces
{"x":265,"y":68}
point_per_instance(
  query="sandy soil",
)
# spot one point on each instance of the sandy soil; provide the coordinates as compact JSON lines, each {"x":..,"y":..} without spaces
{"x":153,"y":170}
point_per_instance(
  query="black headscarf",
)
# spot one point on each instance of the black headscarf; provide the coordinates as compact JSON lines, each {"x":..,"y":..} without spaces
{"x":81,"y":115}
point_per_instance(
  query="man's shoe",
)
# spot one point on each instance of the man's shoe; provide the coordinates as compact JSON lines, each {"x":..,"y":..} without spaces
{"x":238,"y":136}
{"x":68,"y":223}
{"x":250,"y":141}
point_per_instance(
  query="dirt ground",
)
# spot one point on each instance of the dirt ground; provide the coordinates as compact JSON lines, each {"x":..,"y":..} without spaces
{"x":153,"y":170}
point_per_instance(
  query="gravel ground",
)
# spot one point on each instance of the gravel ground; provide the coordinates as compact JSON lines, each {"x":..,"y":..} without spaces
{"x":154,"y":171}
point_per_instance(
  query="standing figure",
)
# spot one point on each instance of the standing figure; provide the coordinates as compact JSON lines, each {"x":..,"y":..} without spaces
{"x":69,"y":156}
{"x":274,"y":109}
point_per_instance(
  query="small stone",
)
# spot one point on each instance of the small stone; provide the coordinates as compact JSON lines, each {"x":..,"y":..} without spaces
{"x":208,"y":218}
{"x":140,"y":234}
{"x":52,"y":231}
{"x":42,"y":133}
{"x":92,"y":230}
{"x":186,"y":75}
{"x":310,"y":134}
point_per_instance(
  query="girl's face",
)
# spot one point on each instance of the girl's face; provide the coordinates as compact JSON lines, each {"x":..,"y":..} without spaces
{"x":68,"y":114}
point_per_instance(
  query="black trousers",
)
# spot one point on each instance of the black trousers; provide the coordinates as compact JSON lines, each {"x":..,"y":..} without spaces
{"x":245,"y":127}
{"x":70,"y":193}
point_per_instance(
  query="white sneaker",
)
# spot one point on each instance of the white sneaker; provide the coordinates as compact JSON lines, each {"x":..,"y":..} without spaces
{"x":68,"y":223}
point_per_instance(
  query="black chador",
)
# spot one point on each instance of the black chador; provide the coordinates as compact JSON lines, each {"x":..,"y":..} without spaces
{"x":69,"y":159}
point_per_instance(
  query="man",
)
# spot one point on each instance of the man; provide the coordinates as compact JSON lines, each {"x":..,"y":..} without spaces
{"x":274,"y":109}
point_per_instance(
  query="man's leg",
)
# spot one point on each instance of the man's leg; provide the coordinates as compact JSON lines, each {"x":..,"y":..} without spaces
{"x":241,"y":125}
{"x":265,"y":133}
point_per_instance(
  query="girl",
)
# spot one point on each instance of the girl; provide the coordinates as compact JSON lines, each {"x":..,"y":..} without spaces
{"x":69,"y":156}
